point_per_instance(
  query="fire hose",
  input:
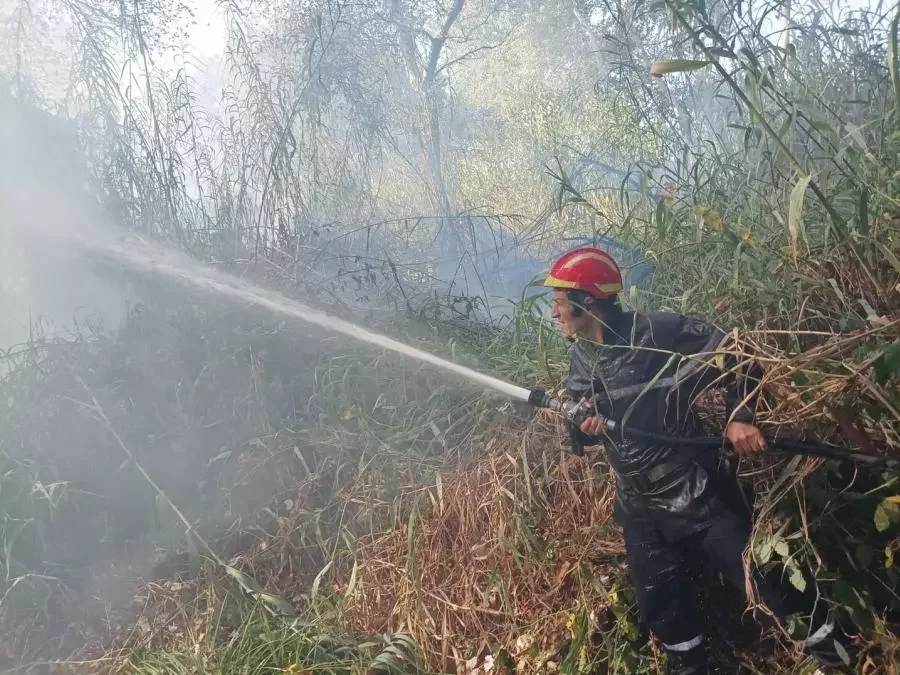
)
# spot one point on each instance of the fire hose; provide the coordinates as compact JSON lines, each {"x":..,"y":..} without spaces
{"x":578,"y":411}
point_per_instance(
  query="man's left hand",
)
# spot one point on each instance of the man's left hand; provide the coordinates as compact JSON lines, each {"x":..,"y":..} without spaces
{"x":745,"y":438}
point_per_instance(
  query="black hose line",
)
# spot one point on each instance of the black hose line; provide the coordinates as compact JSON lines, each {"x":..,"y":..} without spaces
{"x":575,"y":412}
{"x":793,"y":446}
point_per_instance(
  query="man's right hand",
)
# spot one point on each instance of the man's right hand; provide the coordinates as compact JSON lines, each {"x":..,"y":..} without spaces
{"x":593,"y":426}
{"x":745,"y":438}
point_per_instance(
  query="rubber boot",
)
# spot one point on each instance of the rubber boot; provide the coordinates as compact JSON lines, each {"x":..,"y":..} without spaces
{"x":834,"y":651}
{"x":691,"y":662}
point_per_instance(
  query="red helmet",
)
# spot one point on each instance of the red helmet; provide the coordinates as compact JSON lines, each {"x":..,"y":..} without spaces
{"x":588,"y":269}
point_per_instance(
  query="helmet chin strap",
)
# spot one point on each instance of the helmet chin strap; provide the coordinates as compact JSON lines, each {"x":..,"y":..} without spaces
{"x":587,"y":307}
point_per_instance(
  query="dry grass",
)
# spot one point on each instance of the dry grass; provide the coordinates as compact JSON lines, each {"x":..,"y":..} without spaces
{"x":504,"y":552}
{"x":504,"y":548}
{"x":500,"y":554}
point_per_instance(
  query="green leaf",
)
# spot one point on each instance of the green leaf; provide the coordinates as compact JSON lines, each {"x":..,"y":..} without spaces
{"x":797,"y":580}
{"x":882,"y":519}
{"x":892,"y":60}
{"x":505,"y":660}
{"x":889,"y":254}
{"x":246,"y":582}
{"x":799,"y":378}
{"x":787,"y":125}
{"x":314,"y":591}
{"x":628,"y":628}
{"x":795,"y":211}
{"x":819,"y":122}
{"x":661,"y":219}
{"x":664,"y":67}
{"x":788,"y":473}
{"x":782,"y":549}
{"x":796,"y":627}
{"x":276,"y":602}
{"x":399,"y":655}
{"x":764,"y":552}
{"x":411,"y":541}
{"x":351,"y":585}
{"x":863,"y":216}
{"x":856,"y":133}
{"x":842,"y":653}
{"x":887,"y":365}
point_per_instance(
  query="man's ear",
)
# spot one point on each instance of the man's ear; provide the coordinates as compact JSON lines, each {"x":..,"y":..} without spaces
{"x":584,"y":304}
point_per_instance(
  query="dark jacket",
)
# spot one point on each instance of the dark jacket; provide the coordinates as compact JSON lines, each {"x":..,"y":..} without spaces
{"x":647,"y":375}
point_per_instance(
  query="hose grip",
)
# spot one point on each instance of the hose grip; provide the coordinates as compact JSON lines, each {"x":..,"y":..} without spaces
{"x":575,"y":411}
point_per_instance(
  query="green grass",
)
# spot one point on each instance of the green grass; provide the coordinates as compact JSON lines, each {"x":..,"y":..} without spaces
{"x":260,"y":644}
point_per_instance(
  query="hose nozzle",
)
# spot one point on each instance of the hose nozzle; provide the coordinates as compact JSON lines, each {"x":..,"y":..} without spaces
{"x":575,"y":411}
{"x":539,"y":398}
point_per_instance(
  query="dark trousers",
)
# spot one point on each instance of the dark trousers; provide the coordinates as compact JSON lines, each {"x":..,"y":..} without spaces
{"x":661,"y":572}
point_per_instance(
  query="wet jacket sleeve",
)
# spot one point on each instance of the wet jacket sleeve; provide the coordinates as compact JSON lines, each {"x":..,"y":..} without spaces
{"x":739,"y":380}
{"x":582,"y":384}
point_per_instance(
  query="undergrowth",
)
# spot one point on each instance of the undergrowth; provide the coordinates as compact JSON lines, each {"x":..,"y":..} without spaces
{"x":375,"y":512}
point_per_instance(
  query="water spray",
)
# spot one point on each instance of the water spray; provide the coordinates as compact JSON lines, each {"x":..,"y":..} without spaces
{"x":180,"y":268}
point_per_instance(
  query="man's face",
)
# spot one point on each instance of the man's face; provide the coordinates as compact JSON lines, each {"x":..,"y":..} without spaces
{"x":563,"y":311}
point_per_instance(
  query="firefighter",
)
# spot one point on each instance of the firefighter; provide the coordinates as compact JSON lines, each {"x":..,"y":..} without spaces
{"x":672,"y":502}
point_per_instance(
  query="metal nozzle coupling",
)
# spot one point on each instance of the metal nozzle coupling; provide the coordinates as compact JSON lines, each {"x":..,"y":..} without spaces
{"x":576,"y":412}
{"x":541,"y":399}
